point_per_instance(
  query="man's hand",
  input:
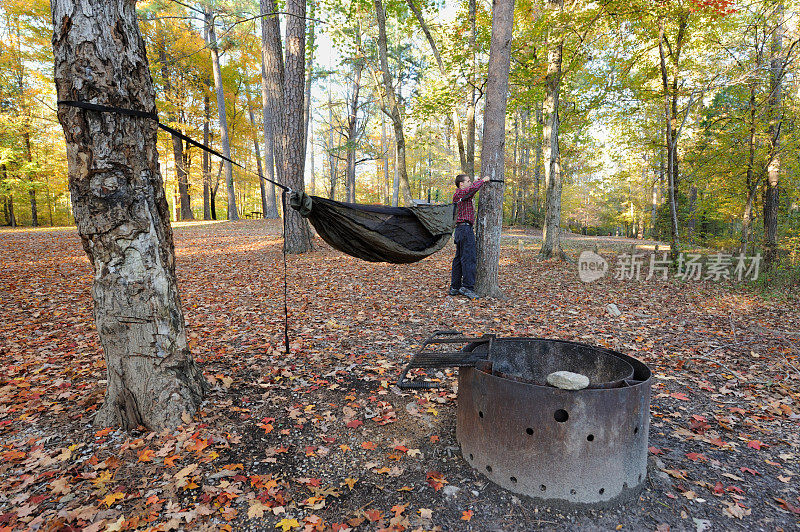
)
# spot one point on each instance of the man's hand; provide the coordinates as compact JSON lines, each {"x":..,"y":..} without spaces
{"x":485,"y":179}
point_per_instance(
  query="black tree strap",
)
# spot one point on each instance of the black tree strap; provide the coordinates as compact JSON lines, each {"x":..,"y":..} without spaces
{"x":142,"y":114}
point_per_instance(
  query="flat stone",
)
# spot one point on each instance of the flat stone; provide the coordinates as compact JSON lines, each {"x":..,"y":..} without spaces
{"x":613,"y":310}
{"x":567,"y":380}
{"x":450,"y":491}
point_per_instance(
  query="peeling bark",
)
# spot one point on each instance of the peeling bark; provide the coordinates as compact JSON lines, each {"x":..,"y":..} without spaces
{"x":122,"y":215}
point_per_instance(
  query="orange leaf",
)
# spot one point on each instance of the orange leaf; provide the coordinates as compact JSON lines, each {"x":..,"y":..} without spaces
{"x":466,"y":515}
{"x":368,"y":445}
{"x":146,"y":455}
{"x":398,"y":509}
{"x":170,"y":462}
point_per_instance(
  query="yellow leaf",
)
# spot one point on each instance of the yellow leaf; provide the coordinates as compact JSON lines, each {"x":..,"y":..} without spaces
{"x":350,"y":482}
{"x":111,"y":498}
{"x":102,"y":478}
{"x":287,"y":524}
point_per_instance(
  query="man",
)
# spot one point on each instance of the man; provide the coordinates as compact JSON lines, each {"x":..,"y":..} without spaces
{"x":462,"y":280}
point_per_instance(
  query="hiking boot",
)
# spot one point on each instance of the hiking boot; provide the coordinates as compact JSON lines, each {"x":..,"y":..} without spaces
{"x":467,"y":293}
{"x":453,"y":292}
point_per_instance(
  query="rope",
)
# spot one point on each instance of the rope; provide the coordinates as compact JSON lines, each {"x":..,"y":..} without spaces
{"x":285,"y":284}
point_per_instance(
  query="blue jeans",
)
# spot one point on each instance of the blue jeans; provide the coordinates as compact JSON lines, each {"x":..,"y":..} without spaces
{"x":464,"y":263}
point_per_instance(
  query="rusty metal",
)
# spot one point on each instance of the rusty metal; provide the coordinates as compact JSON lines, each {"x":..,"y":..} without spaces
{"x":424,"y":359}
{"x":585,"y":447}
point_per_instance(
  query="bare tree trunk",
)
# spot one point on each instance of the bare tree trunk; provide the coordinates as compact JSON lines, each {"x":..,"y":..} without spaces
{"x":514,"y":165}
{"x":671,"y":145}
{"x":272,"y":77}
{"x":31,"y":189}
{"x":123,"y":216}
{"x":470,"y":118}
{"x":692,"y":222}
{"x":396,"y":180}
{"x":489,"y":218}
{"x":261,"y":186}
{"x":331,"y":157}
{"x":385,"y":157}
{"x":391,"y":107}
{"x":352,"y":122}
{"x":538,"y":156}
{"x":292,"y":137}
{"x":313,"y":187}
{"x":653,"y":208}
{"x":524,"y":169}
{"x":771,"y":193}
{"x":223,"y":120}
{"x":206,"y":162}
{"x":271,"y":209}
{"x":551,"y":240}
{"x":309,"y":77}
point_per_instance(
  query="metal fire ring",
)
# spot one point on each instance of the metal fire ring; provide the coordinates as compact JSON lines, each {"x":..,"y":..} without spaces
{"x":571,"y":448}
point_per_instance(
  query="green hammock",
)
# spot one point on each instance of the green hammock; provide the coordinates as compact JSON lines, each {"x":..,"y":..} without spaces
{"x":376,"y":233}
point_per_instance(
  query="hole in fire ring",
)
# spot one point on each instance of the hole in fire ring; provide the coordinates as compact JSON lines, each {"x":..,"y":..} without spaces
{"x":561,"y":415}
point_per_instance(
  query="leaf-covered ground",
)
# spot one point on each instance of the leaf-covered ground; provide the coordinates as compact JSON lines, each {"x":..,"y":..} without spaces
{"x":321,"y":439}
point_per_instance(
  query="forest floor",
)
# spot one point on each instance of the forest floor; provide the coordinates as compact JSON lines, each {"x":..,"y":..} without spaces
{"x":322,"y":439}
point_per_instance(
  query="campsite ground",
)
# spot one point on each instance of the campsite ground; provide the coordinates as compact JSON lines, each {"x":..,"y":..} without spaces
{"x":321,"y":439}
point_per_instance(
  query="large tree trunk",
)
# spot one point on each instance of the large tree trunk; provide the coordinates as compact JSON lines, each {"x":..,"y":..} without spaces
{"x":271,"y":210}
{"x":292,"y":134}
{"x":123,"y":216}
{"x":489,"y":219}
{"x":551,"y":240}
{"x":271,"y":91}
{"x":223,"y":119}
{"x":391,"y":107}
{"x":771,"y":193}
